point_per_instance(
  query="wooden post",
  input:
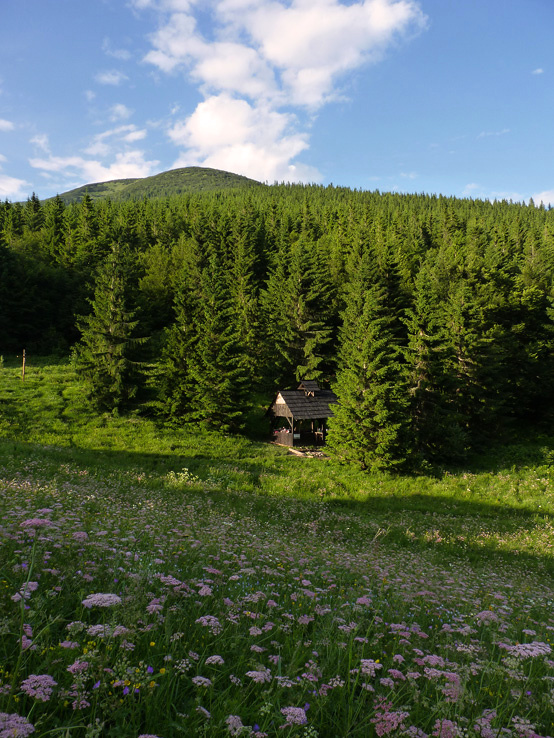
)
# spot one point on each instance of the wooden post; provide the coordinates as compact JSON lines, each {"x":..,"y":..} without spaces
{"x":23,"y":366}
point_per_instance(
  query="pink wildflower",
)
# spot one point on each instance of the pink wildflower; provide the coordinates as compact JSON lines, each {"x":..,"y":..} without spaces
{"x":101,"y":600}
{"x":36,"y":523}
{"x":530,"y":650}
{"x":369,"y":667}
{"x":264,"y":675}
{"x":39,"y":686}
{"x":170,"y":581}
{"x":13,"y":725}
{"x":234,"y":724}
{"x":294,"y":716}
{"x":214,"y":660}
{"x":487,"y":616}
{"x":395,"y":674}
{"x":77,"y":667}
{"x":211,"y":622}
{"x":386,"y":720}
{"x":446,"y":729}
{"x":69,"y":644}
{"x":200,"y":681}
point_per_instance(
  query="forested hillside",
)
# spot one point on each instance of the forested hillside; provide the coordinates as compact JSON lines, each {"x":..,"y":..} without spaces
{"x":165,"y":184}
{"x":430,"y":317}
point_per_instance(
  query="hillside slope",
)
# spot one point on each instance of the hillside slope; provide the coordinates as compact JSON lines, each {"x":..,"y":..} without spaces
{"x":173,"y":182}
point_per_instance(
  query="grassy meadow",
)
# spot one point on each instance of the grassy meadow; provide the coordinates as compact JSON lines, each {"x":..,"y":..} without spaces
{"x":174,"y":582}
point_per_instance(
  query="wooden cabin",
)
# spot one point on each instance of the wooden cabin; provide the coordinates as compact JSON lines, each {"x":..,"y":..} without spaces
{"x":299,"y":417}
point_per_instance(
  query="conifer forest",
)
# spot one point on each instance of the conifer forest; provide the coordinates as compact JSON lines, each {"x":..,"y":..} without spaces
{"x":431,"y":318}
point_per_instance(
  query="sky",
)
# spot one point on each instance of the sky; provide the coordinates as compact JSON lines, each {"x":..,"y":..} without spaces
{"x":445,"y":97}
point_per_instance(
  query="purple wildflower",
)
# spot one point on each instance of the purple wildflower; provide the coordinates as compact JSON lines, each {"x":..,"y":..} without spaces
{"x":211,"y":622}
{"x":530,"y":650}
{"x":264,"y":675}
{"x":69,"y":644}
{"x":369,"y":667}
{"x":386,"y":720}
{"x":13,"y":725}
{"x":294,"y":716}
{"x":215,"y":659}
{"x":446,"y":729}
{"x":26,"y":643}
{"x":101,"y":600}
{"x":39,"y":686}
{"x":234,"y":724}
{"x":200,"y":681}
{"x":36,"y":523}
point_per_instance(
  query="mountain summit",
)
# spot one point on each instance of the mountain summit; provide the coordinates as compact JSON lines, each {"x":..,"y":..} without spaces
{"x":172,"y":182}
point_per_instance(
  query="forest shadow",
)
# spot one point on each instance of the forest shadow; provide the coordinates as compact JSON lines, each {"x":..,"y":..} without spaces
{"x":444,"y":515}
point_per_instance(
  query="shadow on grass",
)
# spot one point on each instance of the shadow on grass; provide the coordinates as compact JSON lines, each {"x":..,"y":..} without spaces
{"x":446,"y":527}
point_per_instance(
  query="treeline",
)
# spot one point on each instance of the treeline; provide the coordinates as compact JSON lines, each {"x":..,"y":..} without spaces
{"x":430,"y":317}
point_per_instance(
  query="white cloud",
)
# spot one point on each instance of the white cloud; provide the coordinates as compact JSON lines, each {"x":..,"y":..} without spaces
{"x":103,"y":144}
{"x":546,"y":197}
{"x":6,"y":125}
{"x":121,"y":54}
{"x":235,"y":68}
{"x":470,"y":189}
{"x":486,"y":134}
{"x":264,"y":57}
{"x":127,"y":164}
{"x":179,"y":6}
{"x":231,"y":134}
{"x":539,"y":70}
{"x":314,"y":41}
{"x":41,"y":140}
{"x":120,"y":112}
{"x":111,"y":77}
{"x":11,"y":187}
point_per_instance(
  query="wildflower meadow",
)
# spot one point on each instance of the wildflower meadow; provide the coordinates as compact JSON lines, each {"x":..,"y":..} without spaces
{"x":156,"y":584}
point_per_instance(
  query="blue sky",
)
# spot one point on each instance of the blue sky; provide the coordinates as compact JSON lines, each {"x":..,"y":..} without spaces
{"x":452,"y":97}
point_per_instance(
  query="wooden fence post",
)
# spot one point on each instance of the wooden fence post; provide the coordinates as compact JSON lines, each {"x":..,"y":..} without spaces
{"x":23,"y":366}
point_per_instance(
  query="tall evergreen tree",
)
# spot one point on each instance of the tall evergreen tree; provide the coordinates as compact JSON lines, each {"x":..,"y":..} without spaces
{"x":104,"y":355}
{"x":435,"y":426}
{"x":370,"y":422}
{"x":173,"y":376}
{"x":219,"y":370}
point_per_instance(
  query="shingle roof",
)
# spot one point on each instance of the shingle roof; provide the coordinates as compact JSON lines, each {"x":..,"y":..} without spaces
{"x":302,"y":406}
{"x":309,"y":384}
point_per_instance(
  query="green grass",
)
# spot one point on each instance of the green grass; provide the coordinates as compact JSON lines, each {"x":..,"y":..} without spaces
{"x":475,"y":514}
{"x":363,"y":601}
{"x":173,"y":182}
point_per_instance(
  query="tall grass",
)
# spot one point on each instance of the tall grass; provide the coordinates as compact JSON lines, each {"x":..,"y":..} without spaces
{"x":169,"y":582}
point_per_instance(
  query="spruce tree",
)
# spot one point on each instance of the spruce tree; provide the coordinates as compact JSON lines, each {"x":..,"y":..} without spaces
{"x":436,"y":427}
{"x":370,"y":421}
{"x":221,"y":376}
{"x":104,"y":355}
{"x":172,"y":377}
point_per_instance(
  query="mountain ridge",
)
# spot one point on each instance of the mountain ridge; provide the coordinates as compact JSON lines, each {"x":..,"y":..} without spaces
{"x":163,"y":184}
